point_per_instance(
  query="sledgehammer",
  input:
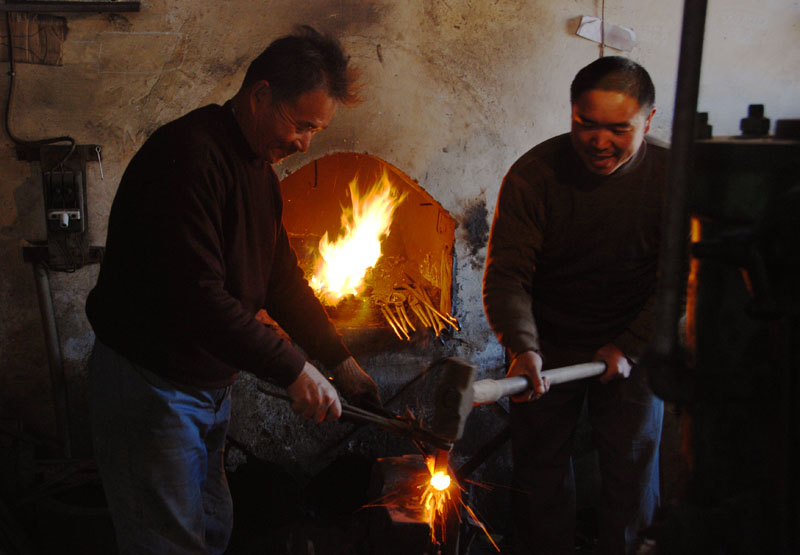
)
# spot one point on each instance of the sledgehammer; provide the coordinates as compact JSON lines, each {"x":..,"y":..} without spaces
{"x":457,"y":392}
{"x":488,"y":391}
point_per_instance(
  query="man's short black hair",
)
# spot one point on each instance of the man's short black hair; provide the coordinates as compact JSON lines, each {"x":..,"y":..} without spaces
{"x":618,"y":74}
{"x":304,"y":61}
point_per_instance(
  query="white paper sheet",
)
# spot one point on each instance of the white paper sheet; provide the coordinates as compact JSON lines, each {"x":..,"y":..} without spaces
{"x":621,"y":38}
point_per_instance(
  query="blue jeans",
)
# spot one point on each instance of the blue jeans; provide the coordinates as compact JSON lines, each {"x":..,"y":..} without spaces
{"x":159,"y":449}
{"x":626,"y":419}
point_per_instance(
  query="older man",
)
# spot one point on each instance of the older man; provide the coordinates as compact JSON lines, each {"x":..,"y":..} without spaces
{"x":196,"y":248}
{"x":570,"y":277}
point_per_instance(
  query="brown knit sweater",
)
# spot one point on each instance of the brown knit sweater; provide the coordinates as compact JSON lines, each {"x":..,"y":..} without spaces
{"x":573,"y":256}
{"x":195,"y":248}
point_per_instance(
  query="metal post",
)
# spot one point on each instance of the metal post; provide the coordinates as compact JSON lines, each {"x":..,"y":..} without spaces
{"x":57,"y":381}
{"x":664,"y":347}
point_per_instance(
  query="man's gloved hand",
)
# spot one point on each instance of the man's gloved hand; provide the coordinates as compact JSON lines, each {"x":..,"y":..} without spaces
{"x":313,"y":396}
{"x":356,"y":385}
{"x":618,"y":364}
{"x":529,"y":363}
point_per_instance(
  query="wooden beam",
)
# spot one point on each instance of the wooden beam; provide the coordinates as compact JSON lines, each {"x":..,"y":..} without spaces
{"x":62,"y":7}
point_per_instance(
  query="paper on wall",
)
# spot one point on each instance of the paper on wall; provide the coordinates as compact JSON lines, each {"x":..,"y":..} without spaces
{"x":621,"y":38}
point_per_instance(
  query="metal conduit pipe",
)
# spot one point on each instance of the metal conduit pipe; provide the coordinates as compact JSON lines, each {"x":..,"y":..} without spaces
{"x":664,"y":360}
{"x":57,"y":381}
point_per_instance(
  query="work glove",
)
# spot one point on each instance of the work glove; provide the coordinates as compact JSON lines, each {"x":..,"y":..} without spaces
{"x":355,"y":385}
{"x":313,"y":396}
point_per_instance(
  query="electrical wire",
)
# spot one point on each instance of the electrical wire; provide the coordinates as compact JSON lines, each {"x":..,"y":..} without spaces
{"x":7,"y":121}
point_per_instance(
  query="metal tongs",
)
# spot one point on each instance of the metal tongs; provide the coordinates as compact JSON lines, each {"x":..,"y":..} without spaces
{"x":401,"y":425}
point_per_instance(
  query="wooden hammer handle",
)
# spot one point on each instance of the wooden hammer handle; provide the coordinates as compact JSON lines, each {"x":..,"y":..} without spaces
{"x":488,"y":391}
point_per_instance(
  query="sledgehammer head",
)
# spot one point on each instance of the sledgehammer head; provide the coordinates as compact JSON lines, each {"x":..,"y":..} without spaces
{"x":453,"y":398}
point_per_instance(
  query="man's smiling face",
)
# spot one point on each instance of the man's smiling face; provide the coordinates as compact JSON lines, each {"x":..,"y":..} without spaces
{"x":608,"y":127}
{"x":277,"y":130}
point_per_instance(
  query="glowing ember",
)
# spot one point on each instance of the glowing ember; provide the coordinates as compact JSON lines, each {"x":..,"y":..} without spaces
{"x":343,"y":263}
{"x":440,"y":481}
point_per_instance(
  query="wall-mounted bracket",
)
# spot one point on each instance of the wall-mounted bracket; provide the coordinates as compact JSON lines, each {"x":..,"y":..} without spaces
{"x":38,"y":252}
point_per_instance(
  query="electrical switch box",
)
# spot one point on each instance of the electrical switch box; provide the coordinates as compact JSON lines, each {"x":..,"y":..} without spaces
{"x":64,"y":188}
{"x":64,"y":199}
{"x":64,"y":185}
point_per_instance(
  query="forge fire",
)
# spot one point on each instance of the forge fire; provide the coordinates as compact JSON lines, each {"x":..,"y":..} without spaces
{"x":376,"y":248}
{"x":344,"y":261}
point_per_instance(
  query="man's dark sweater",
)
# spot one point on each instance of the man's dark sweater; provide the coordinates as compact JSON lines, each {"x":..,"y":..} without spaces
{"x":573,"y":256}
{"x":195,"y":249}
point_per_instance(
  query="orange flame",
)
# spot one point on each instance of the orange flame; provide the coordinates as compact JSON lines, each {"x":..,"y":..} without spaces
{"x":343,"y":263}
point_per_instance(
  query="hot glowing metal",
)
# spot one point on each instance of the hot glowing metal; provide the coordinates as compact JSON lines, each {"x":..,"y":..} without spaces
{"x":440,"y":481}
{"x":437,"y":501}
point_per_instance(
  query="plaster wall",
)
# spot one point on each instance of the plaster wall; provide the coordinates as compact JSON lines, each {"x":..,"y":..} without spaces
{"x":454,"y":92}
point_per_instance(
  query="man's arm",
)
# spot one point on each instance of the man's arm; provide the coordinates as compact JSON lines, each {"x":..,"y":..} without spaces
{"x":293,"y":305}
{"x":514,"y":242}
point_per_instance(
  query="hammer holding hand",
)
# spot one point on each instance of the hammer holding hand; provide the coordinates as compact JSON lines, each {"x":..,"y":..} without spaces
{"x":618,"y":365}
{"x":528,"y":365}
{"x":489,"y":391}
